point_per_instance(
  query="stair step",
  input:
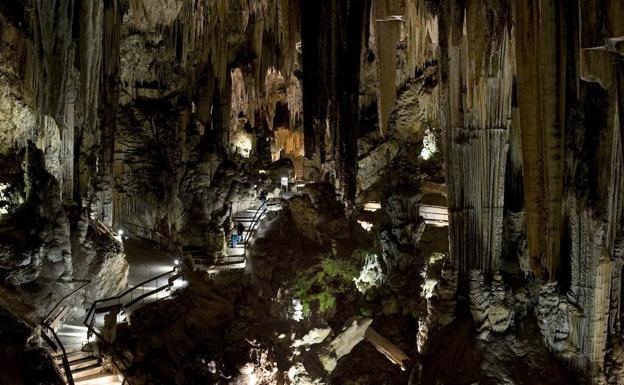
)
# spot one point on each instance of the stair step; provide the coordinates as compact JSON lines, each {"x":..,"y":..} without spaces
{"x":76,"y":354}
{"x":87,"y":371}
{"x":72,"y":334}
{"x":77,"y":359}
{"x":73,"y":347}
{"x":73,"y":327}
{"x":82,"y":362}
{"x":103,"y":378}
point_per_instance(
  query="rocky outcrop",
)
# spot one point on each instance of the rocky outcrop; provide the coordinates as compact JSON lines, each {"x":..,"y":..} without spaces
{"x":491,"y":306}
{"x":553,"y":313}
{"x":35,"y":236}
{"x":441,"y":306}
{"x":48,"y":247}
{"x":22,"y":361}
{"x":344,"y":343}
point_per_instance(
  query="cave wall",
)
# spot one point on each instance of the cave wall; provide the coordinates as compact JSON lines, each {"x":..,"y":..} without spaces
{"x":81,"y":77}
{"x":518,"y":85}
{"x":528,"y":99}
{"x":216,"y":72}
{"x":51,"y":239}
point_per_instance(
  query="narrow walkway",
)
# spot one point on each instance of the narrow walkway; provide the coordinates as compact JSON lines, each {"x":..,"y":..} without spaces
{"x":434,"y":215}
{"x":235,"y":257}
{"x":144,"y":263}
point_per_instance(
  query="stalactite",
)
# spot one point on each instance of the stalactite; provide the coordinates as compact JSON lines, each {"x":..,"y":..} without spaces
{"x":52,"y":27}
{"x":51,"y":81}
{"x":332,"y":37}
{"x":387,"y":28}
{"x":421,"y":30}
{"x":289,"y":141}
{"x":315,"y":65}
{"x":476,"y":100}
{"x":541,"y":120}
{"x":90,"y":56}
{"x":113,"y":14}
{"x":222,"y":106}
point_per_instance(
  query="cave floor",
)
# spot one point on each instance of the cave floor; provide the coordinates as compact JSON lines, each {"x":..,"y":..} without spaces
{"x":145,"y":262}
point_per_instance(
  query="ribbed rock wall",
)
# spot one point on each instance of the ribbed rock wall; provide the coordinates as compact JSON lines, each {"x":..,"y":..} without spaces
{"x":540,"y":61}
{"x":386,"y":28}
{"x":476,"y":67}
{"x":530,"y":110}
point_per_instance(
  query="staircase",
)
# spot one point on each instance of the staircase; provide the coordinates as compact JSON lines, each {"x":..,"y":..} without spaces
{"x":235,"y":257}
{"x":65,"y":341}
{"x":86,"y":369}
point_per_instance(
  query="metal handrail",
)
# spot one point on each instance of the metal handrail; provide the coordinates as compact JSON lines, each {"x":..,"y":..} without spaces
{"x":253,"y":227}
{"x":89,"y":320}
{"x":55,"y":342}
{"x":93,"y":309}
{"x":58,"y":304}
{"x":255,"y":222}
{"x":59,"y":344}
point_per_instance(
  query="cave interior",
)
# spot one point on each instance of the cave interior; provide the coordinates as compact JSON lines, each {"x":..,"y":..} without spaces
{"x":312,"y":192}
